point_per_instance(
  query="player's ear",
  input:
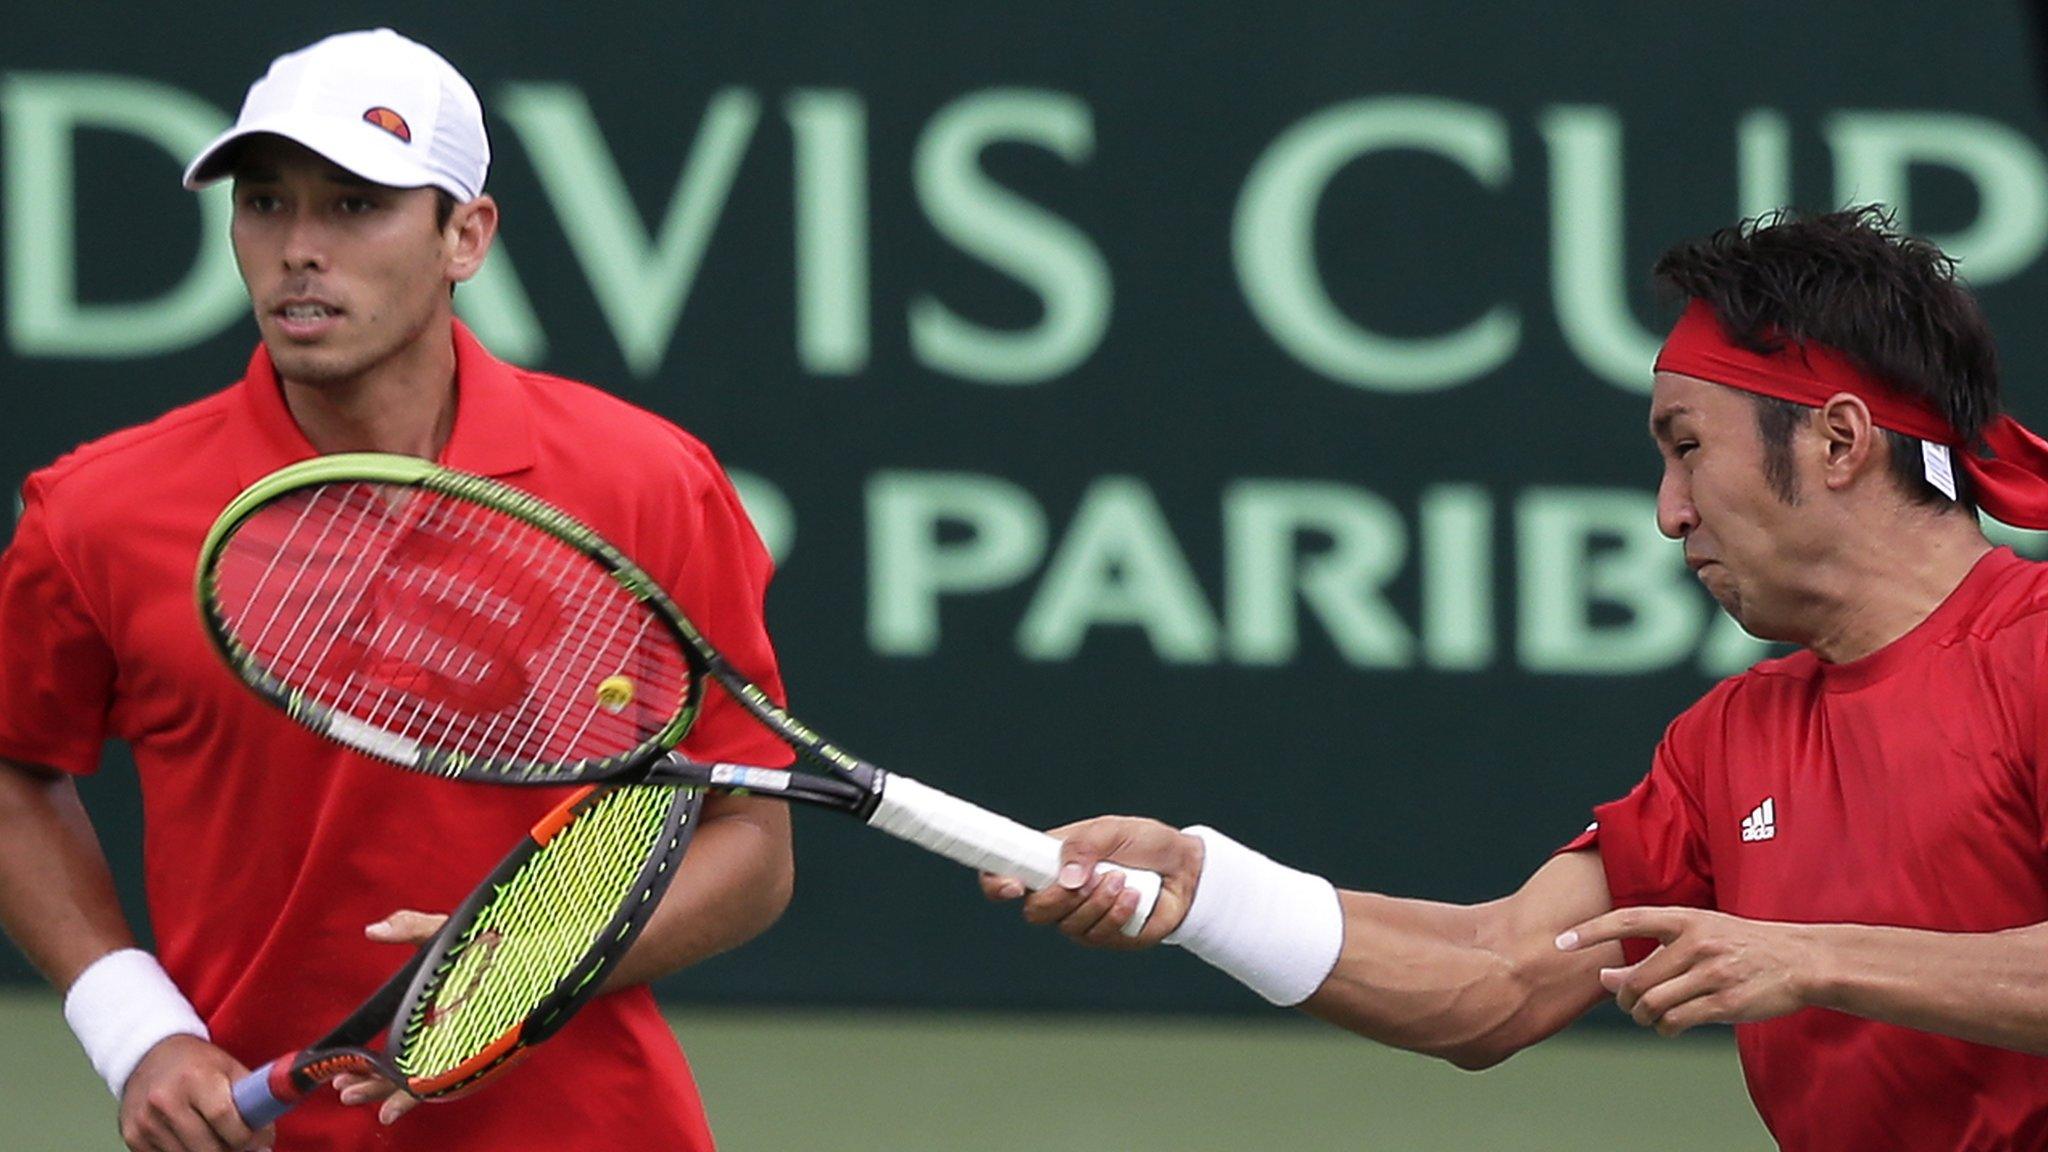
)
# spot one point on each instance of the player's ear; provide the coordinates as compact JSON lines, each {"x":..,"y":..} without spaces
{"x":471,"y":229}
{"x":1849,"y":438}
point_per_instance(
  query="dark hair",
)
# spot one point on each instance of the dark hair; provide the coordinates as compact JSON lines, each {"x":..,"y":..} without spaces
{"x":444,"y":211}
{"x":1890,"y":303}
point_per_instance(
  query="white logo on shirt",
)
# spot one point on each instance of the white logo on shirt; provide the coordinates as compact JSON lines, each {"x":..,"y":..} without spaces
{"x":1762,"y":821}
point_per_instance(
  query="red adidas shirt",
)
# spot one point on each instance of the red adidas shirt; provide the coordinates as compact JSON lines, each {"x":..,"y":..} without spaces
{"x":1908,"y":788}
{"x":268,"y":849}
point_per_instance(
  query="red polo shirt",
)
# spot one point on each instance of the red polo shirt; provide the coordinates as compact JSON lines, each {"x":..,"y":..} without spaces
{"x":268,"y":849}
{"x":1908,"y":788}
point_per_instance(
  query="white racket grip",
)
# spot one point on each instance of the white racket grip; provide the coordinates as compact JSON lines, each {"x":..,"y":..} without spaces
{"x":972,"y":835}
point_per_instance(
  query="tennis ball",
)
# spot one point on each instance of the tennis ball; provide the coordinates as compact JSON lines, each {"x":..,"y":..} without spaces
{"x":614,"y":693}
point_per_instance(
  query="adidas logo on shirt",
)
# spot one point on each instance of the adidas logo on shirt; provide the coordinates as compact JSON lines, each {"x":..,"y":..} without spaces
{"x":1762,"y":821}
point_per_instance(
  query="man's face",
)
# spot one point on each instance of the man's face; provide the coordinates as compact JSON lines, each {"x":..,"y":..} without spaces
{"x":1748,"y":545}
{"x":343,"y":274}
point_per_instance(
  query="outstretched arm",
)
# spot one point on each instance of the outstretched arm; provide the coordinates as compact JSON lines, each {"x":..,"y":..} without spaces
{"x":1473,"y":985}
{"x":1469,"y":984}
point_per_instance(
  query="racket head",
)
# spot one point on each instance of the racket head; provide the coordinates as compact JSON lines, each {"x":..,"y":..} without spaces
{"x":534,"y":941}
{"x":446,"y":623}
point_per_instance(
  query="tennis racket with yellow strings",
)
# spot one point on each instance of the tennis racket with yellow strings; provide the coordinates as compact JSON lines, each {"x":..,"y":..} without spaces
{"x":528,"y":947}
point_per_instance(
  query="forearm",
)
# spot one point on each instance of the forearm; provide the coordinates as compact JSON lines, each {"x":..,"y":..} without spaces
{"x":57,"y":899}
{"x":1988,"y":987}
{"x":734,"y":882}
{"x":1471,"y":985}
{"x":57,"y":903}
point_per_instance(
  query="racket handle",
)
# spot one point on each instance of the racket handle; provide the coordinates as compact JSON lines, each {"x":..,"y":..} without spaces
{"x":256,"y":1102}
{"x":974,"y":836}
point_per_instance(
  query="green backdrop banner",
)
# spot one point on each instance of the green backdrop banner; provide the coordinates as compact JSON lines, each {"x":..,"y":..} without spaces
{"x":1165,"y":408}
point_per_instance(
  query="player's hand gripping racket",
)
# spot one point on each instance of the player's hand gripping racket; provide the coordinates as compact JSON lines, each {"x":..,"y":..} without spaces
{"x":451,"y":624}
{"x":522,"y":953}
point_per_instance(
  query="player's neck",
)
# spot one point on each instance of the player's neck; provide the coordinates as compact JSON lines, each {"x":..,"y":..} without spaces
{"x":404,"y":404}
{"x":1887,"y":587}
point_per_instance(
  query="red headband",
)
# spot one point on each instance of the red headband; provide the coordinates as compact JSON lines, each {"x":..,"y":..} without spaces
{"x":2011,"y":481}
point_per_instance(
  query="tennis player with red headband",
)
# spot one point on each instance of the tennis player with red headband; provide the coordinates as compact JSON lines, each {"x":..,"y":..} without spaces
{"x":1843,"y":852}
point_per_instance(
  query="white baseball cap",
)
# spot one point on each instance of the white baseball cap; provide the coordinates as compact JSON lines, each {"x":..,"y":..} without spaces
{"x":386,"y":108}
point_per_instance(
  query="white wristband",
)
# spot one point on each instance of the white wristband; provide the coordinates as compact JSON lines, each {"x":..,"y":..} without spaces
{"x":123,"y":1005}
{"x":1276,"y":929}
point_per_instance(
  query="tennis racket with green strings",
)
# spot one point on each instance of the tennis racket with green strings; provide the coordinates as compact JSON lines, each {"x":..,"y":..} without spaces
{"x":527,"y":948}
{"x":454,"y":625}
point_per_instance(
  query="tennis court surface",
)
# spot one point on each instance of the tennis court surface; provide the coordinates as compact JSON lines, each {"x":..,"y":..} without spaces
{"x":972,"y":1082}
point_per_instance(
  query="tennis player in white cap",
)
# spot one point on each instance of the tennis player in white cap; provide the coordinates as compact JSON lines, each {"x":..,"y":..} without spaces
{"x":358,"y":166}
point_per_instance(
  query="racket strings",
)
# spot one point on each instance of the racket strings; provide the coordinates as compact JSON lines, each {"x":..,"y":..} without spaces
{"x":450,"y":625}
{"x":594,"y":644}
{"x":538,"y":931}
{"x":513,"y":734}
{"x":366,"y":539}
{"x":283,"y":552}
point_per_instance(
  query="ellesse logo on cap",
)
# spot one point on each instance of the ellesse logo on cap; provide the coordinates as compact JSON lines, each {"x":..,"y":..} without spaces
{"x":389,"y":121}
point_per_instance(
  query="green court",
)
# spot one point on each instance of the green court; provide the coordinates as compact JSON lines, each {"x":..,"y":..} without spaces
{"x":926,"y":1082}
